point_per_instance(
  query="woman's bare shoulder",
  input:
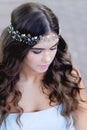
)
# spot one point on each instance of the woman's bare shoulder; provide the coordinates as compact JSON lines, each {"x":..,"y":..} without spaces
{"x":80,"y":114}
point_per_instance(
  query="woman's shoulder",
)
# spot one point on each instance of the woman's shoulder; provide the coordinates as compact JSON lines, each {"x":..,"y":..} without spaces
{"x":80,"y":115}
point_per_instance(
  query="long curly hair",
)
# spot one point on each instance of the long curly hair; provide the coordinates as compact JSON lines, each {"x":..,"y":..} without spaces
{"x":36,"y":19}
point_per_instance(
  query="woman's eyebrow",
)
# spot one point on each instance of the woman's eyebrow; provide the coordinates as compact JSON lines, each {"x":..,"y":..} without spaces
{"x":43,"y":48}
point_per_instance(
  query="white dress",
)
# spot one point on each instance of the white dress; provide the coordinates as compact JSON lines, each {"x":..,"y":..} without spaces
{"x":48,"y":119}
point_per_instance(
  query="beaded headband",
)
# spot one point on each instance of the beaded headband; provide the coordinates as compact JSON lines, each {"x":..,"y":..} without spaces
{"x":27,"y":38}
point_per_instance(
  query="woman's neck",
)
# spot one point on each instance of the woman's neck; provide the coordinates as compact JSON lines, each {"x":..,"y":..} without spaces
{"x":27,"y":74}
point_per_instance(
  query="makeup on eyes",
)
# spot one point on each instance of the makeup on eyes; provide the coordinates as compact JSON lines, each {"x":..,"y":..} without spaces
{"x":39,"y":50}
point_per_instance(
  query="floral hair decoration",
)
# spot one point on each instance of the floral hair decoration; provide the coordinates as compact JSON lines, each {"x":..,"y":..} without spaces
{"x":27,"y":38}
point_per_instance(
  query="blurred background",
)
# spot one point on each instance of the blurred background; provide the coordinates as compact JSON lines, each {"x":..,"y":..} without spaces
{"x":72,"y":15}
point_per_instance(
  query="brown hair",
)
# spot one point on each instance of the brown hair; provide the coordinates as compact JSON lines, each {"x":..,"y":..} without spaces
{"x":36,"y":19}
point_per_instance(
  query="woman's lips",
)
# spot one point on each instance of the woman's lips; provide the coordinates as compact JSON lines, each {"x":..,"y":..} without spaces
{"x":44,"y":66}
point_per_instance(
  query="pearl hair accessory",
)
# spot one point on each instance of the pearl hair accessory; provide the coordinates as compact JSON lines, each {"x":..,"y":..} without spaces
{"x":27,"y":38}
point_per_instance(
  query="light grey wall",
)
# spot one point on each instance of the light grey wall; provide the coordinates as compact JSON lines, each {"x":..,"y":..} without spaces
{"x":72,"y":15}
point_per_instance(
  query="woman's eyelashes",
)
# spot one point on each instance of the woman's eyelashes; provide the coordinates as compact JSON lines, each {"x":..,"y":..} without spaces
{"x":53,"y":48}
{"x":36,"y":51}
{"x":41,"y":50}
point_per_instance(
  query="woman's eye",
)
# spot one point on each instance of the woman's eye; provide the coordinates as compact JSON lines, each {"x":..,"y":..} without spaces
{"x":37,"y":52}
{"x":54,"y":48}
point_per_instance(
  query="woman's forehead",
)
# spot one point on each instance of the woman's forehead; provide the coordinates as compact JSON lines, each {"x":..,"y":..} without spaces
{"x":48,"y":40}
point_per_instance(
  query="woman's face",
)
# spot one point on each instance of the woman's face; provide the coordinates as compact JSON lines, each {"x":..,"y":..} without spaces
{"x":42,"y":54}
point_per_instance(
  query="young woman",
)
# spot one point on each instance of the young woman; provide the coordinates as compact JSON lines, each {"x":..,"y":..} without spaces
{"x":40,"y":89}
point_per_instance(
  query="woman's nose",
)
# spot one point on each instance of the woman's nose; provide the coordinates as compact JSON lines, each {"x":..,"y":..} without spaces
{"x":46,"y":57}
